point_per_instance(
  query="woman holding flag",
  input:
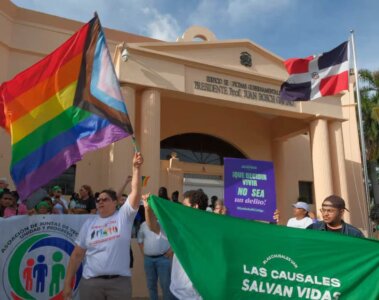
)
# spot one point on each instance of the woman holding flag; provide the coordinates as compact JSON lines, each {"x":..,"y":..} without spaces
{"x":104,"y":243}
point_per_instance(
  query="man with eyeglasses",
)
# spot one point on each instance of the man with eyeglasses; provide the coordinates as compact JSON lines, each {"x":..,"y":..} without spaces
{"x":332,"y":211}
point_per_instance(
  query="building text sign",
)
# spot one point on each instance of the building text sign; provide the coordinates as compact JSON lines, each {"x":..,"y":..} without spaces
{"x":240,"y":90}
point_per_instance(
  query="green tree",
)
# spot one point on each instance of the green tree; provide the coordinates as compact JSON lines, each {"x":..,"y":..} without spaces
{"x":370,"y":103}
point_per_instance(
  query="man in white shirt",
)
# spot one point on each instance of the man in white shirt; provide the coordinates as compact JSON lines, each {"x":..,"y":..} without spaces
{"x":157,"y":261}
{"x":181,"y":286}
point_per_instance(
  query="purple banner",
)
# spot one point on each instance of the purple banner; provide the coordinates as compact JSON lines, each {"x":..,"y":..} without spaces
{"x":249,"y":189}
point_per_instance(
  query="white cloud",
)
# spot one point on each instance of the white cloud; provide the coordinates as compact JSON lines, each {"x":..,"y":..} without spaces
{"x":161,"y":26}
{"x":208,"y":13}
{"x":237,"y":12}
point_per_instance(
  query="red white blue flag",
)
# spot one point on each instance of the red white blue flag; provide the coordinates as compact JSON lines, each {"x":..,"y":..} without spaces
{"x":317,"y":76}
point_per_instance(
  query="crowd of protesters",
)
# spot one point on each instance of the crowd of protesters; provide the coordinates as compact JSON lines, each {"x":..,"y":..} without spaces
{"x":107,"y":265}
{"x":156,"y":250}
{"x":47,"y":202}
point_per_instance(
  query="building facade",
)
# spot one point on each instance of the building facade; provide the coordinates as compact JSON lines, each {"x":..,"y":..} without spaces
{"x":197,"y":100}
{"x":204,"y":99}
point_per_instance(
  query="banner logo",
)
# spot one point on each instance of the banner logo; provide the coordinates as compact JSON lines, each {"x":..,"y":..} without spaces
{"x":37,"y":267}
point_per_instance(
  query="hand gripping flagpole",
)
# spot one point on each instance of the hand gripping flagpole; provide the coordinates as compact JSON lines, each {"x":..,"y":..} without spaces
{"x":361,"y":135}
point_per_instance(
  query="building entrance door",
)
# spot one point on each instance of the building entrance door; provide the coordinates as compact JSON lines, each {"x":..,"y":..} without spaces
{"x":211,"y":185}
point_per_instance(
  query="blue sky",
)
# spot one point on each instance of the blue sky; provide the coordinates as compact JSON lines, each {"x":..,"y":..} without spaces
{"x":289,"y":28}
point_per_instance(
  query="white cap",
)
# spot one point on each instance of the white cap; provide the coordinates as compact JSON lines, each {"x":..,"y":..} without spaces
{"x":302,"y":205}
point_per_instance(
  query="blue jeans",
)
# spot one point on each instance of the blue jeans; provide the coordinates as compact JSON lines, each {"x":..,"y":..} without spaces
{"x":158,"y":267}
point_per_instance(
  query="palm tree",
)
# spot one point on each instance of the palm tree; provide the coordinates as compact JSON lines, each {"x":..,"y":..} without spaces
{"x":370,"y":103}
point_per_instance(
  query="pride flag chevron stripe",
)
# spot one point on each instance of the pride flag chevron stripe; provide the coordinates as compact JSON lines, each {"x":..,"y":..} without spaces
{"x":64,"y":106}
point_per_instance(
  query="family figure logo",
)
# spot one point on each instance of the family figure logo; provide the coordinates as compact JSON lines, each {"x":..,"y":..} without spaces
{"x":36,"y":268}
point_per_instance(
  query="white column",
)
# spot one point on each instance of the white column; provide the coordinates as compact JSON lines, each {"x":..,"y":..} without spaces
{"x":281,"y":181}
{"x":337,"y":153}
{"x":150,"y":137}
{"x":322,"y":170}
{"x":6,"y":157}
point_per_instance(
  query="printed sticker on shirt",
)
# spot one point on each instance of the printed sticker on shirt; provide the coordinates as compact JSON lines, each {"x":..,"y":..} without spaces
{"x":108,"y":231}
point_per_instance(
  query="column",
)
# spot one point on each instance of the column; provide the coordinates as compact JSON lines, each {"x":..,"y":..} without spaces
{"x":337,"y":154}
{"x":322,"y":170}
{"x":150,"y":137}
{"x":121,"y":153}
{"x":6,"y":157}
{"x":283,"y":205}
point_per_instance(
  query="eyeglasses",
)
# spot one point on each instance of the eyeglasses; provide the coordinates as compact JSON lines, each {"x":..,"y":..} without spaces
{"x":98,"y":200}
{"x":328,"y":211}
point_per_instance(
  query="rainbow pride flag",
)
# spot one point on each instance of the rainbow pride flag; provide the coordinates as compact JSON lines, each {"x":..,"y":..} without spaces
{"x":64,"y":106}
{"x":145,"y":180}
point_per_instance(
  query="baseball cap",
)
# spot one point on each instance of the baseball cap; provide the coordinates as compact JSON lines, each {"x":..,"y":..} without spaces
{"x":43,"y":204}
{"x":335,"y":201}
{"x":56,"y":188}
{"x":302,"y":205}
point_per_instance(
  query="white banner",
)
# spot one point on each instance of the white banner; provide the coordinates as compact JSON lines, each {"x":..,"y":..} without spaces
{"x":35,"y":251}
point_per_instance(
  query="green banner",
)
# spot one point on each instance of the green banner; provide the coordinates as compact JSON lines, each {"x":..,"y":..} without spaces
{"x":230,"y":258}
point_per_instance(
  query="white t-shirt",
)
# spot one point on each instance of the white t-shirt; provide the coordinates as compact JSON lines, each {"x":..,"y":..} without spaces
{"x":181,"y":286}
{"x":153,"y":244}
{"x":303,"y":223}
{"x":58,"y":208}
{"x":107,"y":241}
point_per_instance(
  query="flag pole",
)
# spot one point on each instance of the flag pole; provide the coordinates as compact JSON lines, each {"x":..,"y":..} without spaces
{"x":135,"y":145}
{"x":361,"y":134}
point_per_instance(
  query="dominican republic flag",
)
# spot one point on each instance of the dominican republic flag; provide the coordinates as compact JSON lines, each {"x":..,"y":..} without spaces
{"x":317,"y":76}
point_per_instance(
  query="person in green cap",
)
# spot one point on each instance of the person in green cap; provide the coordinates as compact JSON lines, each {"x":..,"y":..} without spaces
{"x":43,"y":208}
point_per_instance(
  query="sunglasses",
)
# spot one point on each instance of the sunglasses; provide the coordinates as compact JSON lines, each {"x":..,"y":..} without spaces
{"x":98,"y":200}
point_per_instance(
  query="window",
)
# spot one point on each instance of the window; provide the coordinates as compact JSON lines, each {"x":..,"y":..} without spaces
{"x":306,"y":191}
{"x":199,"y":148}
